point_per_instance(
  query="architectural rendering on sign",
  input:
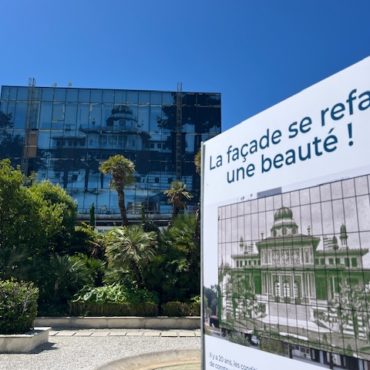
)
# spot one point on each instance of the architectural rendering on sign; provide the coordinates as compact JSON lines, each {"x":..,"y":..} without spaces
{"x":295,"y":267}
{"x":63,"y":134}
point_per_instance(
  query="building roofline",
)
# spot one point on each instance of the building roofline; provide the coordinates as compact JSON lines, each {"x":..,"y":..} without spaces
{"x":115,"y":89}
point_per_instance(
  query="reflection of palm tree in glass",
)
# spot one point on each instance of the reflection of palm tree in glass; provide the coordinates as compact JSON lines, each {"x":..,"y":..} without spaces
{"x":66,"y":165}
{"x":90,"y":164}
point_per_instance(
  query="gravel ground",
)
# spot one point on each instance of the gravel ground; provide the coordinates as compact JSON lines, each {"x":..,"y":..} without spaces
{"x":81,"y":352}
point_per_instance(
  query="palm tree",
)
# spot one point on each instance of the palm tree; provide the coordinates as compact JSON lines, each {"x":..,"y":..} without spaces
{"x":122,"y":170}
{"x":131,"y":248}
{"x":177,"y":195}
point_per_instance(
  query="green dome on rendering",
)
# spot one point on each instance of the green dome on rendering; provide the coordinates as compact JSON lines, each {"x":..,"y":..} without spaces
{"x":284,"y":224}
{"x":283,"y":213}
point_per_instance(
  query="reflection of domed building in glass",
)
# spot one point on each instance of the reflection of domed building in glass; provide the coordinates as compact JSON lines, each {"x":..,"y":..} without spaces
{"x":284,"y":284}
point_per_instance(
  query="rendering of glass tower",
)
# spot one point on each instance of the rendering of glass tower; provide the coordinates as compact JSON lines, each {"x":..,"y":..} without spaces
{"x":63,"y":134}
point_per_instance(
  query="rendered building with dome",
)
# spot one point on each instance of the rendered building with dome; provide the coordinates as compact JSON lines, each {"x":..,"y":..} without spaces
{"x":283,"y":286}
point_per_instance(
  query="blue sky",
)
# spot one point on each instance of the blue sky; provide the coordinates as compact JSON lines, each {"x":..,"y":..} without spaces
{"x":256,"y":53}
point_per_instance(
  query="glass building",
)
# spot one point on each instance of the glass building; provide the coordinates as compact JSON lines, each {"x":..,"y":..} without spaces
{"x":63,"y":134}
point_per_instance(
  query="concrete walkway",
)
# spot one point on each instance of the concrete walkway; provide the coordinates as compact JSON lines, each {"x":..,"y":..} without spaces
{"x":89,"y":349}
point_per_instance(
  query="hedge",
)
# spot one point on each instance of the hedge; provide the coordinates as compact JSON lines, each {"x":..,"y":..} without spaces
{"x":176,"y":308}
{"x":112,"y":309}
{"x":18,"y":306}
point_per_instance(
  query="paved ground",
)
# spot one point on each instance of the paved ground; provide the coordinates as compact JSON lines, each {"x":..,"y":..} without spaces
{"x":88,"y":349}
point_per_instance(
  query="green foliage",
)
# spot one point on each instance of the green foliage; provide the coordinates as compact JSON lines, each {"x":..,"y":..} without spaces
{"x":55,"y":195}
{"x":113,"y":309}
{"x":88,"y":241}
{"x":129,"y":251}
{"x":198,"y":161}
{"x":177,"y":308}
{"x":175,"y":271}
{"x":56,"y":202}
{"x":39,"y":242}
{"x":59,"y":278}
{"x":177,"y":196}
{"x":94,"y":268}
{"x":114,"y":293}
{"x":18,"y":306}
{"x":122,"y":171}
{"x":273,"y":346}
{"x":26,"y":224}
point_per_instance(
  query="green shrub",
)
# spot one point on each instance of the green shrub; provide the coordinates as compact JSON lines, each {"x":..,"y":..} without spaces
{"x":18,"y":306}
{"x":115,"y":293}
{"x":177,"y":308}
{"x":113,"y":309}
{"x":114,"y":300}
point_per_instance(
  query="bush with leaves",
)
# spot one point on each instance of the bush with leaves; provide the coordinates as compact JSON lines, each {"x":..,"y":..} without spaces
{"x":176,"y":308}
{"x":64,"y":276}
{"x":56,"y":198}
{"x":115,"y":293}
{"x":88,"y":241}
{"x":174,"y":271}
{"x":114,"y":300}
{"x":18,"y":306}
{"x":129,"y":251}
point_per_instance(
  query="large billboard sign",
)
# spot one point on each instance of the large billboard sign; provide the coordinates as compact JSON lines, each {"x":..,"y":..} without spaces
{"x":286,"y":233}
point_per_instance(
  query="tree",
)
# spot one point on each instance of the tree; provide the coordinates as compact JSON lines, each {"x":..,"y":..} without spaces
{"x":129,"y":250}
{"x":54,"y":197}
{"x":174,"y":273}
{"x":26,"y":224}
{"x":177,"y":195}
{"x":122,"y":170}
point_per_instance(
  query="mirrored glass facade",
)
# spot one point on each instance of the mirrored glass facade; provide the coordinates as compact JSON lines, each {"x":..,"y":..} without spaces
{"x":63,"y":134}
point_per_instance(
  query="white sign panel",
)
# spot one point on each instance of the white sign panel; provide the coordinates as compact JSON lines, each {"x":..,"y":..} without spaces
{"x":286,"y":232}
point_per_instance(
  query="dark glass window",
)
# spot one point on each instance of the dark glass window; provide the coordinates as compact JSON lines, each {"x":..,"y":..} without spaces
{"x":189,"y":99}
{"x":83,"y":114}
{"x":58,"y":112}
{"x":143,"y":119}
{"x":132,"y":97}
{"x":155,"y":119}
{"x":120,"y":97}
{"x":108,"y":96}
{"x":60,"y":94}
{"x":95,"y":115}
{"x":45,"y":115}
{"x":43,"y":139}
{"x":22,"y":93}
{"x":47,"y":94}
{"x":20,"y":115}
{"x":156,"y":98}
{"x":71,"y":113}
{"x":5,"y":93}
{"x":84,"y":95}
{"x":72,"y":95}
{"x":168,"y":98}
{"x":96,"y":96}
{"x":109,"y":114}
{"x":144,"y":97}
